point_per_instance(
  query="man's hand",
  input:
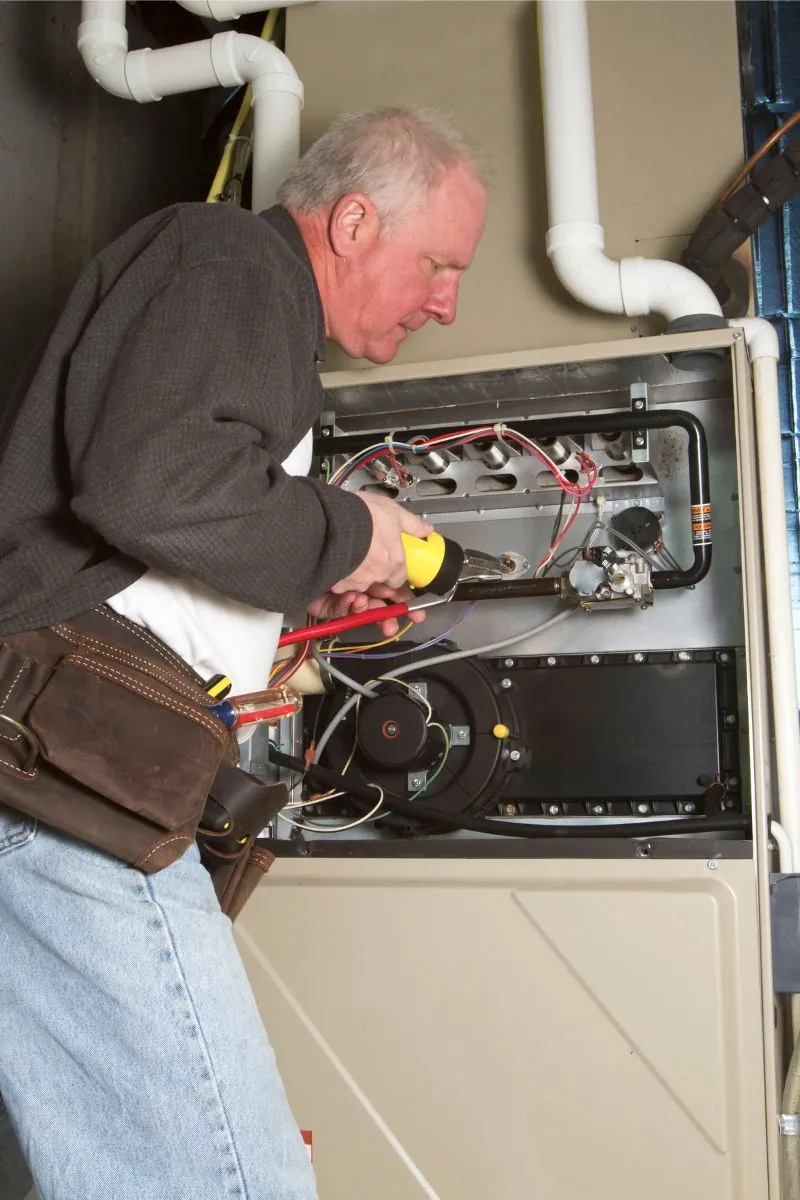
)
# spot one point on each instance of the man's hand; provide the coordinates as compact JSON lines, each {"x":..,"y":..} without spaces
{"x":330,"y":605}
{"x":386,"y":561}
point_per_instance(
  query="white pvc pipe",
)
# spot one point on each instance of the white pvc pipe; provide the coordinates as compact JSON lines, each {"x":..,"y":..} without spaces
{"x":231,"y":10}
{"x":762,"y":344}
{"x":575,"y":240}
{"x":276,"y":139}
{"x":785,"y":855}
{"x":227,"y":59}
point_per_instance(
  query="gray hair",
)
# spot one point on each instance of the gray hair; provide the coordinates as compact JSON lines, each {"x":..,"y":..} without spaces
{"x":396,"y":156}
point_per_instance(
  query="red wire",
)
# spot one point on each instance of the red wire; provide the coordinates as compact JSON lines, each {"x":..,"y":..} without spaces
{"x":472,"y":435}
{"x":326,"y":629}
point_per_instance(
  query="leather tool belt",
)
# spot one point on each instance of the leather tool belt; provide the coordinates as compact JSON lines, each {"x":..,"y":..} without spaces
{"x":106,"y":735}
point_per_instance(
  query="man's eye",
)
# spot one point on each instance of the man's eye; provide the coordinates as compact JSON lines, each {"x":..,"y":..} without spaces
{"x":435,"y":266}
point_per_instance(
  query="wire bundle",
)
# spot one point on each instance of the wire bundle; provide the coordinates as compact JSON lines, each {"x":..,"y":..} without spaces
{"x":421,"y":445}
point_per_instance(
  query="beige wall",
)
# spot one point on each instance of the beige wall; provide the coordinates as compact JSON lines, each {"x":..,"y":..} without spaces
{"x":666,"y":90}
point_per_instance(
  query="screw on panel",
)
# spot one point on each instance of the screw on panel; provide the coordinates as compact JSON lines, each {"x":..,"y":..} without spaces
{"x":598,"y":809}
{"x":554,"y":810}
{"x":638,"y":440}
{"x":733,"y":781}
{"x":690,"y":808}
{"x":644,"y":850}
{"x":684,"y":656}
{"x":638,"y":657}
{"x":416,"y":783}
{"x":638,"y":404}
{"x":505,"y":683}
{"x":643,"y":808}
{"x":508,"y":662}
{"x":723,"y":657}
{"x":515,"y":756}
{"x":551,"y":661}
{"x":594,"y":659}
{"x":462,"y":733}
{"x":730,"y":719}
{"x":712,"y":864}
{"x":510,"y":810}
{"x":326,"y":432}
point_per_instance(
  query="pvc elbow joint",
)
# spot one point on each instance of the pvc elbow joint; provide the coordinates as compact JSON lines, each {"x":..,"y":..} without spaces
{"x":576,"y":250}
{"x":761,"y":337}
{"x":260,"y":63}
{"x":634,"y":286}
{"x":103,"y":46}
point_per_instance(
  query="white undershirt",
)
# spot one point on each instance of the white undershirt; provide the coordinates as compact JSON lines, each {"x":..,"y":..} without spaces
{"x":211,"y":632}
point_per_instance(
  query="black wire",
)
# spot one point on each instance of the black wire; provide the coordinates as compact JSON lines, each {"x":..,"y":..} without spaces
{"x":321,"y":776}
{"x":559,"y":515}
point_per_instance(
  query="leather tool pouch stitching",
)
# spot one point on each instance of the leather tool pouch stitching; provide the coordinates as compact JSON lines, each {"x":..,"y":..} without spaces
{"x":136,"y":744}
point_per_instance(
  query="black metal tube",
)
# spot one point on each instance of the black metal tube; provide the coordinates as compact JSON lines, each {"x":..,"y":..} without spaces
{"x":416,"y":809}
{"x":511,"y":589}
{"x":662,"y":418}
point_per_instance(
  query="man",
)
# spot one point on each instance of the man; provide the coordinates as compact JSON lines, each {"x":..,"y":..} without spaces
{"x":157,"y":466}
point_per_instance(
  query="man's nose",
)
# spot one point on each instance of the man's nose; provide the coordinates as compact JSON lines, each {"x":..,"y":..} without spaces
{"x":443,"y":302}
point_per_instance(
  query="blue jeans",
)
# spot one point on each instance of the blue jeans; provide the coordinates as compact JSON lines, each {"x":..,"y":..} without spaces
{"x":133,"y":1060}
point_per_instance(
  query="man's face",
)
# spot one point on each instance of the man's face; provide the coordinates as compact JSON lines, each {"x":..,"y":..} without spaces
{"x":391,"y":285}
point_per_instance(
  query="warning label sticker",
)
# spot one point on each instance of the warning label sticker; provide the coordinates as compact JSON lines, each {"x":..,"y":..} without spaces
{"x":701,"y":524}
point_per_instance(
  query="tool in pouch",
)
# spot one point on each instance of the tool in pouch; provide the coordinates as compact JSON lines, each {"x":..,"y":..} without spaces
{"x":107,"y":736}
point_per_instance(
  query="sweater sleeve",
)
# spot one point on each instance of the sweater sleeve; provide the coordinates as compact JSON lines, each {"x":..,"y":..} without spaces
{"x":179,"y":470}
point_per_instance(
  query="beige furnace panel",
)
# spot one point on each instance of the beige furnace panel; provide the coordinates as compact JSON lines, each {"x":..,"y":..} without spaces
{"x":668,"y":125}
{"x":550,"y":1029}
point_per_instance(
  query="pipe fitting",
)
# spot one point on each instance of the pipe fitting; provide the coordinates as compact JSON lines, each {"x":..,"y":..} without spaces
{"x":761,"y":337}
{"x":259,"y":62}
{"x":103,"y":46}
{"x":576,"y":250}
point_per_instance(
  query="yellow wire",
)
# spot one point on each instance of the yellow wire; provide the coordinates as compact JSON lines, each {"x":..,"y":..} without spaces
{"x":224,"y":168}
{"x":346,"y":648}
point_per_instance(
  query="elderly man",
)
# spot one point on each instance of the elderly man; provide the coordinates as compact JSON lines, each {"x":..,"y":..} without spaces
{"x":156,"y":475}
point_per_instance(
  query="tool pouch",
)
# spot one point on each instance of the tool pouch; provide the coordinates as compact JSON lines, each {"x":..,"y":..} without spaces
{"x":238,"y":808}
{"x":111,"y":742}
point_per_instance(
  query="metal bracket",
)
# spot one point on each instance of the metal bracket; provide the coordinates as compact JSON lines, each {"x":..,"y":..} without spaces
{"x":416,"y":780}
{"x":459,"y":735}
{"x":789,"y":1124}
{"x":640,"y":438}
{"x":327,"y":424}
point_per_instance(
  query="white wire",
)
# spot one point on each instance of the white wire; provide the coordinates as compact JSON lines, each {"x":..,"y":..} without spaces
{"x":388,"y":446}
{"x":411,"y":668}
{"x":312,"y":803}
{"x":336,"y":828}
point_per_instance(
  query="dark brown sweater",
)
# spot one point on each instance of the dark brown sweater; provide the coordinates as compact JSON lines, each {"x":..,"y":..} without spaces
{"x":181,"y":372}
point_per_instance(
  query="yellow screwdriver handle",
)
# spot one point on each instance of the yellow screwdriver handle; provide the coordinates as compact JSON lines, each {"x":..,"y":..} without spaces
{"x":424,"y":558}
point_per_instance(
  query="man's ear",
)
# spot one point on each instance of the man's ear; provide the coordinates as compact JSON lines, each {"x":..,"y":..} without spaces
{"x":353,"y":225}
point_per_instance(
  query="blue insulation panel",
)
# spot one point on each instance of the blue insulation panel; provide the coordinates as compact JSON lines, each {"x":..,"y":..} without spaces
{"x":770,"y":47}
